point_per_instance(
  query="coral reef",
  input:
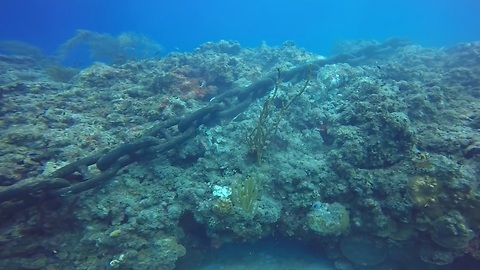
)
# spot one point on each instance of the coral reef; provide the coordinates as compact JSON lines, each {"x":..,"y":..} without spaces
{"x":328,"y":219}
{"x":380,"y":154}
{"x":451,"y":231}
{"x":424,"y":192}
{"x":105,"y":47}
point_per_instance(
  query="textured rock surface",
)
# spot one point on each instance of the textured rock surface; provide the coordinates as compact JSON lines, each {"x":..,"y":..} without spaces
{"x":392,"y":139}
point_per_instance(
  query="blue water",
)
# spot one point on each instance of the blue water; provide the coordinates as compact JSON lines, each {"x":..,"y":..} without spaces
{"x":181,"y":25}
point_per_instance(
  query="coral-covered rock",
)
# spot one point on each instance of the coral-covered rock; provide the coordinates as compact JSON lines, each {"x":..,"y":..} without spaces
{"x":424,"y":192}
{"x":328,"y":219}
{"x":451,"y":231}
{"x":435,"y":255}
{"x":393,"y":137}
{"x":168,"y":251}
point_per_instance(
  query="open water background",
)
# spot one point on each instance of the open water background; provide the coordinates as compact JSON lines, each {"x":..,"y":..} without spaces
{"x":182,"y":25}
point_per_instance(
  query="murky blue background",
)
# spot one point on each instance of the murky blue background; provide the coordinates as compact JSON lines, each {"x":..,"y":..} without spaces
{"x":184,"y":24}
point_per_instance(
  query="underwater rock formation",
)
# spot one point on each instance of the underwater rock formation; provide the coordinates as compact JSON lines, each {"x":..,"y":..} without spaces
{"x":451,"y":231}
{"x":387,"y":144}
{"x":328,"y":219}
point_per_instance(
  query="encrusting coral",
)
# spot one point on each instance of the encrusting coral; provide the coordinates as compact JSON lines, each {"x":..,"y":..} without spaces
{"x":328,"y":219}
{"x":386,"y":144}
